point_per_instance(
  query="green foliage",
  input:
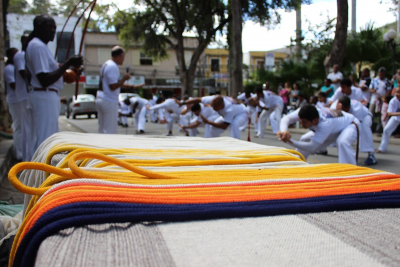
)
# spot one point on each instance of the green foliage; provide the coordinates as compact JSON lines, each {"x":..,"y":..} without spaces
{"x":42,"y":7}
{"x":18,"y":6}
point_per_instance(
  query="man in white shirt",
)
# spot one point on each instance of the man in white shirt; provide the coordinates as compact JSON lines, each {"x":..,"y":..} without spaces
{"x":336,"y":76}
{"x":361,"y":112}
{"x":379,"y":87}
{"x":22,"y":94}
{"x":109,"y":89}
{"x":139,"y":107}
{"x":273,"y":103}
{"x":340,"y":129}
{"x":171,"y":113}
{"x":46,"y":79}
{"x":252,"y":109}
{"x":393,"y":123}
{"x":207,"y":112}
{"x":346,"y":88}
{"x":231,"y":115}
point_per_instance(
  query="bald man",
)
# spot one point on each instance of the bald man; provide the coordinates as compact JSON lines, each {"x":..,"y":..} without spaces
{"x":231,"y":115}
{"x":109,"y":89}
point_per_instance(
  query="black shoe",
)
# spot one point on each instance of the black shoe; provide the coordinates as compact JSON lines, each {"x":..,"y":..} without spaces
{"x":125,"y":126}
{"x":324,"y":153}
{"x":141,"y":131}
{"x":120,"y":123}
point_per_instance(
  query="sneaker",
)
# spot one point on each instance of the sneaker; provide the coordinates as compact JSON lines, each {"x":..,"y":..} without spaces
{"x":168,"y":134}
{"x":322,"y":153}
{"x":141,"y":131}
{"x":371,"y":160}
{"x":125,"y":126}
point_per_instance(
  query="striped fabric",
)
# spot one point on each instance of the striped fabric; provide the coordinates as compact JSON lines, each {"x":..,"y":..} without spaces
{"x":99,"y":185}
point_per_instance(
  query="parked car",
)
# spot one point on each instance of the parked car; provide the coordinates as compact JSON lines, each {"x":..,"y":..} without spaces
{"x":83,"y":105}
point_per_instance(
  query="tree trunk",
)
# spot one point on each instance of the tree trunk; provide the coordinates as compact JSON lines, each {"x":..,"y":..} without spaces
{"x":237,"y":48}
{"x":336,"y":55}
{"x":3,"y":104}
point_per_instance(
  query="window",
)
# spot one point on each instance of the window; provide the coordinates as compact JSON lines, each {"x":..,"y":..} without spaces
{"x":104,"y":54}
{"x":63,"y":46}
{"x":215,"y":64}
{"x":145,"y":60}
{"x":260,"y":64}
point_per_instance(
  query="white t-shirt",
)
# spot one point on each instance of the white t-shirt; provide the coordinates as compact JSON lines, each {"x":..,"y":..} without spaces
{"x":394,"y":106}
{"x":207,"y":112}
{"x":109,"y":74}
{"x":322,"y":104}
{"x":334,"y":76}
{"x":20,"y":85}
{"x":242,"y":96}
{"x":356,"y":94}
{"x":230,"y":111}
{"x":10,"y":78}
{"x":271,"y":101}
{"x":141,"y":102}
{"x":382,"y":86}
{"x":168,"y":104}
{"x":327,"y":127}
{"x":356,"y":108}
{"x":40,"y":60}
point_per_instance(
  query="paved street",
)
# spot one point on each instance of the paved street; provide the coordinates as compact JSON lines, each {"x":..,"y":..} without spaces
{"x":390,"y":161}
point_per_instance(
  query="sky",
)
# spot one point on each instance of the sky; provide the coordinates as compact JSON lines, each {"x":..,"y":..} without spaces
{"x":259,"y":38}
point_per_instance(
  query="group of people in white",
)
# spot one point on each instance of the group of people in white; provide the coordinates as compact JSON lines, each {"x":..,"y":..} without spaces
{"x":339,"y":115}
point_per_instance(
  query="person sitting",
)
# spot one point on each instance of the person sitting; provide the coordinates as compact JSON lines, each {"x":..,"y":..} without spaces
{"x":328,"y":88}
{"x":301,"y":101}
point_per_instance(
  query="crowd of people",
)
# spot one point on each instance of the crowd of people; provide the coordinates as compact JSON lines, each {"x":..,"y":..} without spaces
{"x":341,"y":112}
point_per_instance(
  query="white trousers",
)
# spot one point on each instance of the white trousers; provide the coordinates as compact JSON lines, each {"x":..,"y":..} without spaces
{"x":44,"y":110}
{"x":171,"y":118}
{"x":366,"y":140}
{"x":253,"y":113}
{"x":387,"y":132}
{"x":207,"y":127}
{"x":107,"y":114}
{"x":21,"y":129}
{"x":238,"y":121}
{"x":263,"y":119}
{"x":344,"y":140}
{"x":140,"y":118}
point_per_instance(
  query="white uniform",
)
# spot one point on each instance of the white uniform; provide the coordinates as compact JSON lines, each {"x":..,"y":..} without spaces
{"x":153,"y":113}
{"x":356,"y":94}
{"x":381,"y":86}
{"x":274,"y":104}
{"x":233,"y":114}
{"x":22,"y":109}
{"x":12,"y":102}
{"x":250,"y":109}
{"x":333,"y":76}
{"x":107,"y":99}
{"x":339,"y":129}
{"x":392,"y":124}
{"x":210,"y":114}
{"x":45,"y":105}
{"x":362,"y":113}
{"x":171,"y":112}
{"x":140,"y":112}
{"x":124,"y":111}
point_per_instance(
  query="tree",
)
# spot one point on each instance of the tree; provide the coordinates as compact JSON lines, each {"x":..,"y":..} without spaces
{"x":3,"y":104}
{"x":42,"y":7}
{"x":336,"y":54}
{"x":18,"y":6}
{"x":237,"y":72}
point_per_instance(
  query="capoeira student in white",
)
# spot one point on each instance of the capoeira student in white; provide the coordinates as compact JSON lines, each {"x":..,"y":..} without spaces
{"x":362,"y":113}
{"x":252,"y":108}
{"x":153,"y":113}
{"x":22,"y":95}
{"x":206,"y":112}
{"x":109,"y":89}
{"x":171,"y":113}
{"x":139,"y":107}
{"x":123,"y":113}
{"x":393,"y":123}
{"x":326,"y":131}
{"x":46,"y":79}
{"x":231,"y":115}
{"x":273,"y":104}
{"x":13,"y":103}
{"x":347,"y":88}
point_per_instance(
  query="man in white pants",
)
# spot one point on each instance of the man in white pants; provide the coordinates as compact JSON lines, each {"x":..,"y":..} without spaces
{"x":273,"y":104}
{"x":340,"y":129}
{"x":252,"y":108}
{"x":22,"y":95}
{"x":206,"y":112}
{"x":109,"y":89}
{"x":13,"y":103}
{"x":362,"y":113}
{"x":393,"y":123}
{"x":139,"y":107}
{"x":231,"y":115}
{"x":46,"y":79}
{"x":171,"y":113}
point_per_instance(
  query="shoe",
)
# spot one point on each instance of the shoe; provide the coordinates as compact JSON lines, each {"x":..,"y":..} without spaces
{"x":322,"y":153}
{"x":125,"y":126}
{"x":141,"y":131}
{"x":169,"y":134}
{"x":371,"y":160}
{"x":120,"y":123}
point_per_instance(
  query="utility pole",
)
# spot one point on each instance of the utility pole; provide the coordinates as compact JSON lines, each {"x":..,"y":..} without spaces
{"x":298,"y":30}
{"x":353,"y":15}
